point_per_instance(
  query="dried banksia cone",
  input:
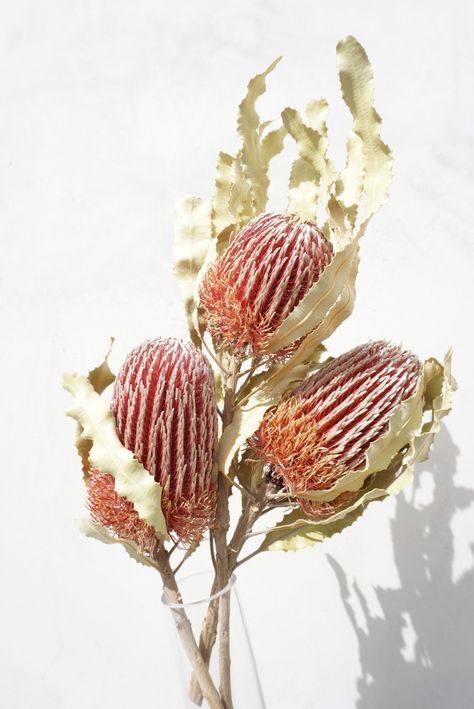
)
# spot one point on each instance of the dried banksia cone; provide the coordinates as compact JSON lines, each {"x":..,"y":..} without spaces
{"x":267,"y":269}
{"x":164,"y":403}
{"x":116,"y":513}
{"x":322,"y":429}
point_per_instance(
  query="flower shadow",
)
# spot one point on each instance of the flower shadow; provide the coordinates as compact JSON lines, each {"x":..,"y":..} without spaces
{"x":419,"y":654}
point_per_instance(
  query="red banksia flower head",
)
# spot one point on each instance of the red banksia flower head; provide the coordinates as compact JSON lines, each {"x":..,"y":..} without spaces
{"x":164,"y":403}
{"x":268,"y":267}
{"x":322,"y":429}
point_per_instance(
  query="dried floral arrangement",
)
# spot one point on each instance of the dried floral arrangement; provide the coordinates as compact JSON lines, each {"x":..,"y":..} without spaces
{"x":253,"y":404}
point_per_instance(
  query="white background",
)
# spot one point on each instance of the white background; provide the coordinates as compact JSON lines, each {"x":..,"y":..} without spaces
{"x":110,"y":111}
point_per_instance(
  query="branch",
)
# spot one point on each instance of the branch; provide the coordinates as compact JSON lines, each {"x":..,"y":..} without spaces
{"x":185,"y":632}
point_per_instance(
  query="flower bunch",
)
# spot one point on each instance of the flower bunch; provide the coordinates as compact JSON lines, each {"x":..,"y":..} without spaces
{"x":253,"y":402}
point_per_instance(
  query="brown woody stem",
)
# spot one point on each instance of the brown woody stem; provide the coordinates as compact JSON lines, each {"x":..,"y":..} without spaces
{"x":185,"y":632}
{"x":250,"y":513}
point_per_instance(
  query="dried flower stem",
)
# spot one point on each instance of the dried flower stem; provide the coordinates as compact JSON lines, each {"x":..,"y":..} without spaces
{"x":250,"y":513}
{"x":220,"y":536}
{"x":185,"y":632}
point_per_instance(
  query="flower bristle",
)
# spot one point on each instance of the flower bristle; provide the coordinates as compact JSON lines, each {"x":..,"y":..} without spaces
{"x":268,"y":267}
{"x":116,"y":513}
{"x":322,"y":429}
{"x":164,"y":404}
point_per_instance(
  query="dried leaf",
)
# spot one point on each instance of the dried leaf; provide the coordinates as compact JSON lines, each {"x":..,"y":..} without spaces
{"x":272,"y":145}
{"x":193,"y":235}
{"x":107,"y":454}
{"x":439,"y":391}
{"x":96,"y":531}
{"x":350,"y":182}
{"x":255,"y":158}
{"x":100,"y":377}
{"x":296,"y":531}
{"x":318,"y":301}
{"x":222,"y":217}
{"x":312,"y":147}
{"x":356,"y":78}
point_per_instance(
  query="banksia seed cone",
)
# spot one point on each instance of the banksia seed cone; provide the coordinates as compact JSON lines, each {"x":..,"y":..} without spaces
{"x":322,"y":429}
{"x":164,"y":403}
{"x":264,"y":273}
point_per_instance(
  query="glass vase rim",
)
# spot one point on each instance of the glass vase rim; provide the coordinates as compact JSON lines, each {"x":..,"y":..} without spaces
{"x":204,"y":599}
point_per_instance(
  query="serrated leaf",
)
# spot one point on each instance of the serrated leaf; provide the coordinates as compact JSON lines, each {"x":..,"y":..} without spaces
{"x":272,"y":145}
{"x":100,"y":377}
{"x":193,"y":234}
{"x":312,"y":147}
{"x":296,"y":531}
{"x":350,"y":183}
{"x":255,"y":157}
{"x":356,"y":78}
{"x":96,"y":531}
{"x":222,"y":217}
{"x":107,"y":454}
{"x":319,"y":299}
{"x":437,"y":403}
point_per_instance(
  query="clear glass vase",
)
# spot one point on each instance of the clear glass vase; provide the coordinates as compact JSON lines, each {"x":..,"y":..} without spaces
{"x":237,"y":681}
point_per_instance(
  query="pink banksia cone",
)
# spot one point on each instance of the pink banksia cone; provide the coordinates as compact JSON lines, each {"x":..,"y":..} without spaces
{"x":322,"y":429}
{"x":268,"y":267}
{"x":164,"y":403}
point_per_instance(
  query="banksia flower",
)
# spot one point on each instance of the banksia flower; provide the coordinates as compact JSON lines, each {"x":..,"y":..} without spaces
{"x":264,"y":273}
{"x":322,"y":429}
{"x":116,"y":513}
{"x":164,"y":403}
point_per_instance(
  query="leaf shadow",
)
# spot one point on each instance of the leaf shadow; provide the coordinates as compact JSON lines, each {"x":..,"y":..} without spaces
{"x":420,"y":653}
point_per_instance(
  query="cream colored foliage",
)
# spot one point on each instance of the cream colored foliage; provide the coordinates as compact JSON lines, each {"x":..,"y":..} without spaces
{"x":193,"y":233}
{"x":96,"y":531}
{"x":107,"y":453}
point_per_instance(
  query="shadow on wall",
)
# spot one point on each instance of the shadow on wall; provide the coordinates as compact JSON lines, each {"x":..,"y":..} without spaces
{"x":436,"y":670}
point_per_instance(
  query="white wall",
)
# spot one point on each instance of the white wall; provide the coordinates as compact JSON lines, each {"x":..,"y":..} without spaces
{"x":110,"y":111}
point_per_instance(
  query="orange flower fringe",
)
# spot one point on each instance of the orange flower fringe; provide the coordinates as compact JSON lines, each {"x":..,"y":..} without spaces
{"x":265,"y":272}
{"x":322,"y":429}
{"x":116,"y":513}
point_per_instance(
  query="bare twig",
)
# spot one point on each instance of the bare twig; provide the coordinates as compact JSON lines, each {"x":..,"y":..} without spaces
{"x":214,"y":358}
{"x":220,"y":537}
{"x":248,"y":557}
{"x":212,"y":550}
{"x":249,"y":515}
{"x":185,"y":632}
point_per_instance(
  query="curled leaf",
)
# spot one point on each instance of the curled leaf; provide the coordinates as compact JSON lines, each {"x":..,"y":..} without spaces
{"x":100,"y":377}
{"x":193,"y":235}
{"x":314,"y":167}
{"x":356,"y":78}
{"x":318,"y":301}
{"x":256,"y":154}
{"x":296,"y":531}
{"x":107,"y":454}
{"x":96,"y":531}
